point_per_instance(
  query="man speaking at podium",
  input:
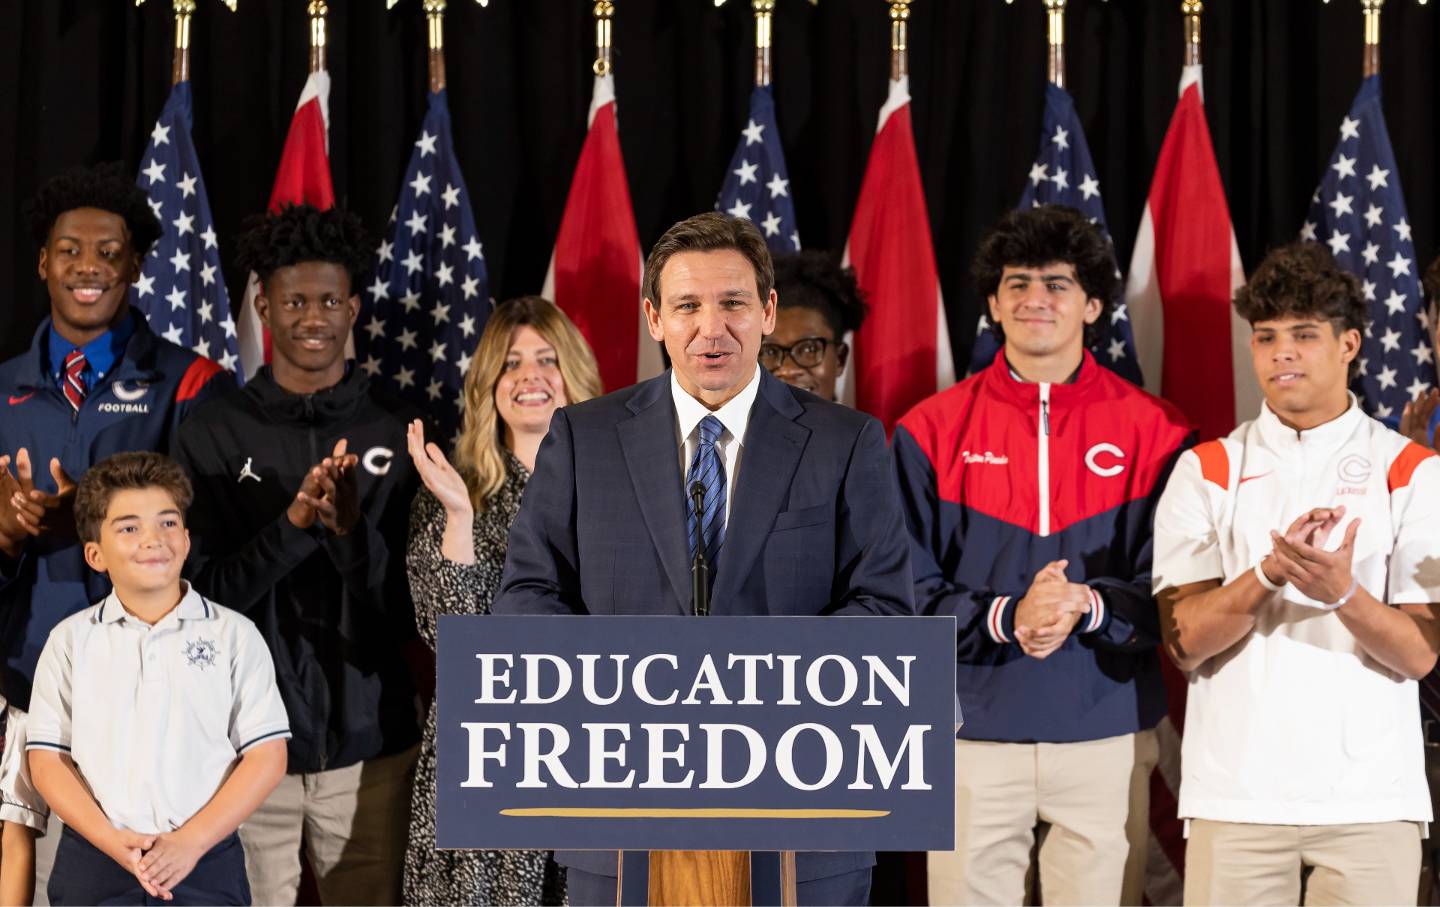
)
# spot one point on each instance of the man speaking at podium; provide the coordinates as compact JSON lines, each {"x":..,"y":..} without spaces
{"x":798,"y":512}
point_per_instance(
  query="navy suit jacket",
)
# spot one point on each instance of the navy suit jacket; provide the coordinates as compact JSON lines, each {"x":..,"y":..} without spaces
{"x":815,"y":525}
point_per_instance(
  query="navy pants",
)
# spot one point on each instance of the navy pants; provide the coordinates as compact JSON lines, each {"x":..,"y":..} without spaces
{"x":587,"y":889}
{"x":83,"y":874}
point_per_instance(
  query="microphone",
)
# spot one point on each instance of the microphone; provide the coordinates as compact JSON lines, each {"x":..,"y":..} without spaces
{"x":700,"y":568}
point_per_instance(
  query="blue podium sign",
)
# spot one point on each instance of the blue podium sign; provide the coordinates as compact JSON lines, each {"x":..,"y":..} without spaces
{"x":683,"y":733}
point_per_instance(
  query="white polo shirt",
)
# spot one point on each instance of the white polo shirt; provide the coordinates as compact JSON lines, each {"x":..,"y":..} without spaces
{"x":1296,"y":724}
{"x":155,"y":717}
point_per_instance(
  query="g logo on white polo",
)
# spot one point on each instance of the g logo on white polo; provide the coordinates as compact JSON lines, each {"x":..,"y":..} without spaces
{"x":1092,"y":460}
{"x":129,"y":394}
{"x":1354,"y":469}
{"x":377,"y":460}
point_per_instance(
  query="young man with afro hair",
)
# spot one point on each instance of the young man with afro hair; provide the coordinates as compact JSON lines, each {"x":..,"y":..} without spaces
{"x":300,"y":520}
{"x":95,"y":381}
{"x":1295,"y":571}
{"x":1029,"y":489}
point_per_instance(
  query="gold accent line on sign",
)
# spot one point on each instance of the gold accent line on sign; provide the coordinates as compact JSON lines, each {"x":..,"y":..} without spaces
{"x":643,"y":812}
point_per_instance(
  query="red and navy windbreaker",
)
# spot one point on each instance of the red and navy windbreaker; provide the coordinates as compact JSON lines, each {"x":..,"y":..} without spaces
{"x":1000,"y":477}
{"x":137,"y":406}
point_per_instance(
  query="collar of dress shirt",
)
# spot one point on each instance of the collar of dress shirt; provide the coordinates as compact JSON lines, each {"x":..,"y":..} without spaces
{"x":734,"y":415}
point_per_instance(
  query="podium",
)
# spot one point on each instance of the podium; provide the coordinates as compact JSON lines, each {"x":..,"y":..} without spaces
{"x":710,"y":878}
{"x":692,"y":758}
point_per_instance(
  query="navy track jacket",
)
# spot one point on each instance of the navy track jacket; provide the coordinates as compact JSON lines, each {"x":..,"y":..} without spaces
{"x":137,"y":406}
{"x":999,"y":477}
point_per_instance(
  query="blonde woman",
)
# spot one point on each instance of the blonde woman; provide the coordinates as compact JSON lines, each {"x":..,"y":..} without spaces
{"x":530,"y":360}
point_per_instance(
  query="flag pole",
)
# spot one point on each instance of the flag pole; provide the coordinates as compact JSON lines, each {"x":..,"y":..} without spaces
{"x":603,"y":11}
{"x":318,"y":10}
{"x":1372,"y":36}
{"x":1055,"y":10}
{"x":184,"y":10}
{"x":1191,"y":9}
{"x":764,"y":23}
{"x":435,"y":18}
{"x":899,"y":39}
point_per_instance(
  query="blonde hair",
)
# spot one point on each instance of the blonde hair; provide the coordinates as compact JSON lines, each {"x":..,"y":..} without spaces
{"x":480,"y":452}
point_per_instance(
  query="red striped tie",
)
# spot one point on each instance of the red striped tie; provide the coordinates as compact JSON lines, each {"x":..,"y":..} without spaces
{"x":74,"y":384}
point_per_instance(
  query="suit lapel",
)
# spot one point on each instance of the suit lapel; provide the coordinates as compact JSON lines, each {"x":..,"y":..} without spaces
{"x":773,"y":444}
{"x":651,"y":454}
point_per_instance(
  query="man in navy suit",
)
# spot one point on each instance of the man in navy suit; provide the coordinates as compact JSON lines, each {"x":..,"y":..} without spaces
{"x":800,"y":512}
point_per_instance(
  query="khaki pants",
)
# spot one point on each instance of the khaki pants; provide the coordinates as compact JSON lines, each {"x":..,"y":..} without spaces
{"x":1237,"y":863}
{"x":1094,"y":797}
{"x":354,"y":822}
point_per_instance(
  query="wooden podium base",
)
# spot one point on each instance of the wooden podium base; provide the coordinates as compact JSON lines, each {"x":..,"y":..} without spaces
{"x":712,"y":878}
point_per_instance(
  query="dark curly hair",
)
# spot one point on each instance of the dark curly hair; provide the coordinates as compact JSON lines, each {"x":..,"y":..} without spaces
{"x":1039,"y":236}
{"x":300,"y":233}
{"x":815,"y":280}
{"x":1302,"y":280}
{"x":108,"y":187}
{"x":1431,"y":281}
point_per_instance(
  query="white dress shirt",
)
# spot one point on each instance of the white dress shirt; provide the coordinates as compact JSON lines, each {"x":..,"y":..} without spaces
{"x":734,"y":415}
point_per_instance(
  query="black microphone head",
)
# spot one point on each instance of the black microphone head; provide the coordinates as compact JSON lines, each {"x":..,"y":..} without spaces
{"x":697,"y":489}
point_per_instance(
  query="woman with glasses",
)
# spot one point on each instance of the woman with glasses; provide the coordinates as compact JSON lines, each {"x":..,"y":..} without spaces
{"x":820,"y":303}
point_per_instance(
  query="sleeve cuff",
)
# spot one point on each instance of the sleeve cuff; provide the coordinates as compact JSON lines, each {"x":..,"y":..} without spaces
{"x":263,"y":737}
{"x":1095,"y":620}
{"x":1000,"y":619}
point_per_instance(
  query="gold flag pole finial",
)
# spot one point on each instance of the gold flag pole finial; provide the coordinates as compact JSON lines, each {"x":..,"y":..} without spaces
{"x":318,"y":10}
{"x":604,"y":10}
{"x":1372,"y":35}
{"x":899,"y":39}
{"x":180,"y":69}
{"x":1055,"y":13}
{"x":184,"y":10}
{"x":764,"y":22}
{"x":435,"y":18}
{"x":1191,"y":10}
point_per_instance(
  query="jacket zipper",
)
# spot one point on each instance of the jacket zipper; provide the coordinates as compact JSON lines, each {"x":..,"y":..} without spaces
{"x":1044,"y":459}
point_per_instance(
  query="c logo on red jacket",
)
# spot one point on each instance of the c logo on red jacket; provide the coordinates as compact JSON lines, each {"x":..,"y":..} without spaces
{"x":1093,"y":461}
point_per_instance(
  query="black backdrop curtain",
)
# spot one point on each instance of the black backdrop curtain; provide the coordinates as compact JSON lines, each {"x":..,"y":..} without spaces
{"x":83,"y":80}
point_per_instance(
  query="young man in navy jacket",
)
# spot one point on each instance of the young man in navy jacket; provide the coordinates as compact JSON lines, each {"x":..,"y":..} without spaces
{"x":95,"y":381}
{"x":1029,"y":491}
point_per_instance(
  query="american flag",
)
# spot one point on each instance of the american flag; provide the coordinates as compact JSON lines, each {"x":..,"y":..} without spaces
{"x":424,"y":311}
{"x":757,"y":185}
{"x":1064,"y":174}
{"x":1359,"y":212}
{"x":181,"y":289}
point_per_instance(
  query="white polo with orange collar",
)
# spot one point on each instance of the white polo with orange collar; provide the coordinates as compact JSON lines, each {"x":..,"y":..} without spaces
{"x":1296,"y":724}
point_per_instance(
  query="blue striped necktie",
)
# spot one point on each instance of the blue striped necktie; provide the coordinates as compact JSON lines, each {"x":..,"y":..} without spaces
{"x":707,"y":469}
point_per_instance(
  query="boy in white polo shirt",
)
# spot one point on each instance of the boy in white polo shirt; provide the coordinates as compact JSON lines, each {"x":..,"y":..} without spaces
{"x":1297,"y":567}
{"x":155,"y":724}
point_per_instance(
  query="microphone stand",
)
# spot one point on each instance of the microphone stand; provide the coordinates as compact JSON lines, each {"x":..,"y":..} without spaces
{"x":700,"y":569}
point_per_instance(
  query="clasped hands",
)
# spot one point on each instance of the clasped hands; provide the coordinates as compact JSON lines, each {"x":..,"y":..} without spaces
{"x":329,"y":493}
{"x":1298,"y":556}
{"x":27,"y":512}
{"x":159,"y":862}
{"x":1049,"y":611}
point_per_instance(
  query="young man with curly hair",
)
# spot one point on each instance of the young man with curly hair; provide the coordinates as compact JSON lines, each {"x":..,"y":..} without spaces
{"x":1028,"y":490}
{"x":1295,"y":567}
{"x":302,"y":492}
{"x":96,"y":381}
{"x":818,"y":304}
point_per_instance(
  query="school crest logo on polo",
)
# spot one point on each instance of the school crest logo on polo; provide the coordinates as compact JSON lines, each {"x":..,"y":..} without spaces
{"x":201,"y":653}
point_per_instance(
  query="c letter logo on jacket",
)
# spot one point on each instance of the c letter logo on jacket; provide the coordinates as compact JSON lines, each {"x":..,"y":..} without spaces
{"x":1092,"y":460}
{"x":377,"y":460}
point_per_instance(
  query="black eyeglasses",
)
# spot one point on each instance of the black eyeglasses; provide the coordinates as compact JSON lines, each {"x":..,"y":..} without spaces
{"x":807,"y":353}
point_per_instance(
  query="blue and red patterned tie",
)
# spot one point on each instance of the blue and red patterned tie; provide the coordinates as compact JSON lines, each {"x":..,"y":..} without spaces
{"x":74,"y":385}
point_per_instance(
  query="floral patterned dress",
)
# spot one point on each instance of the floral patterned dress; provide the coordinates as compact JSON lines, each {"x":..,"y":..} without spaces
{"x":441,"y":586}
